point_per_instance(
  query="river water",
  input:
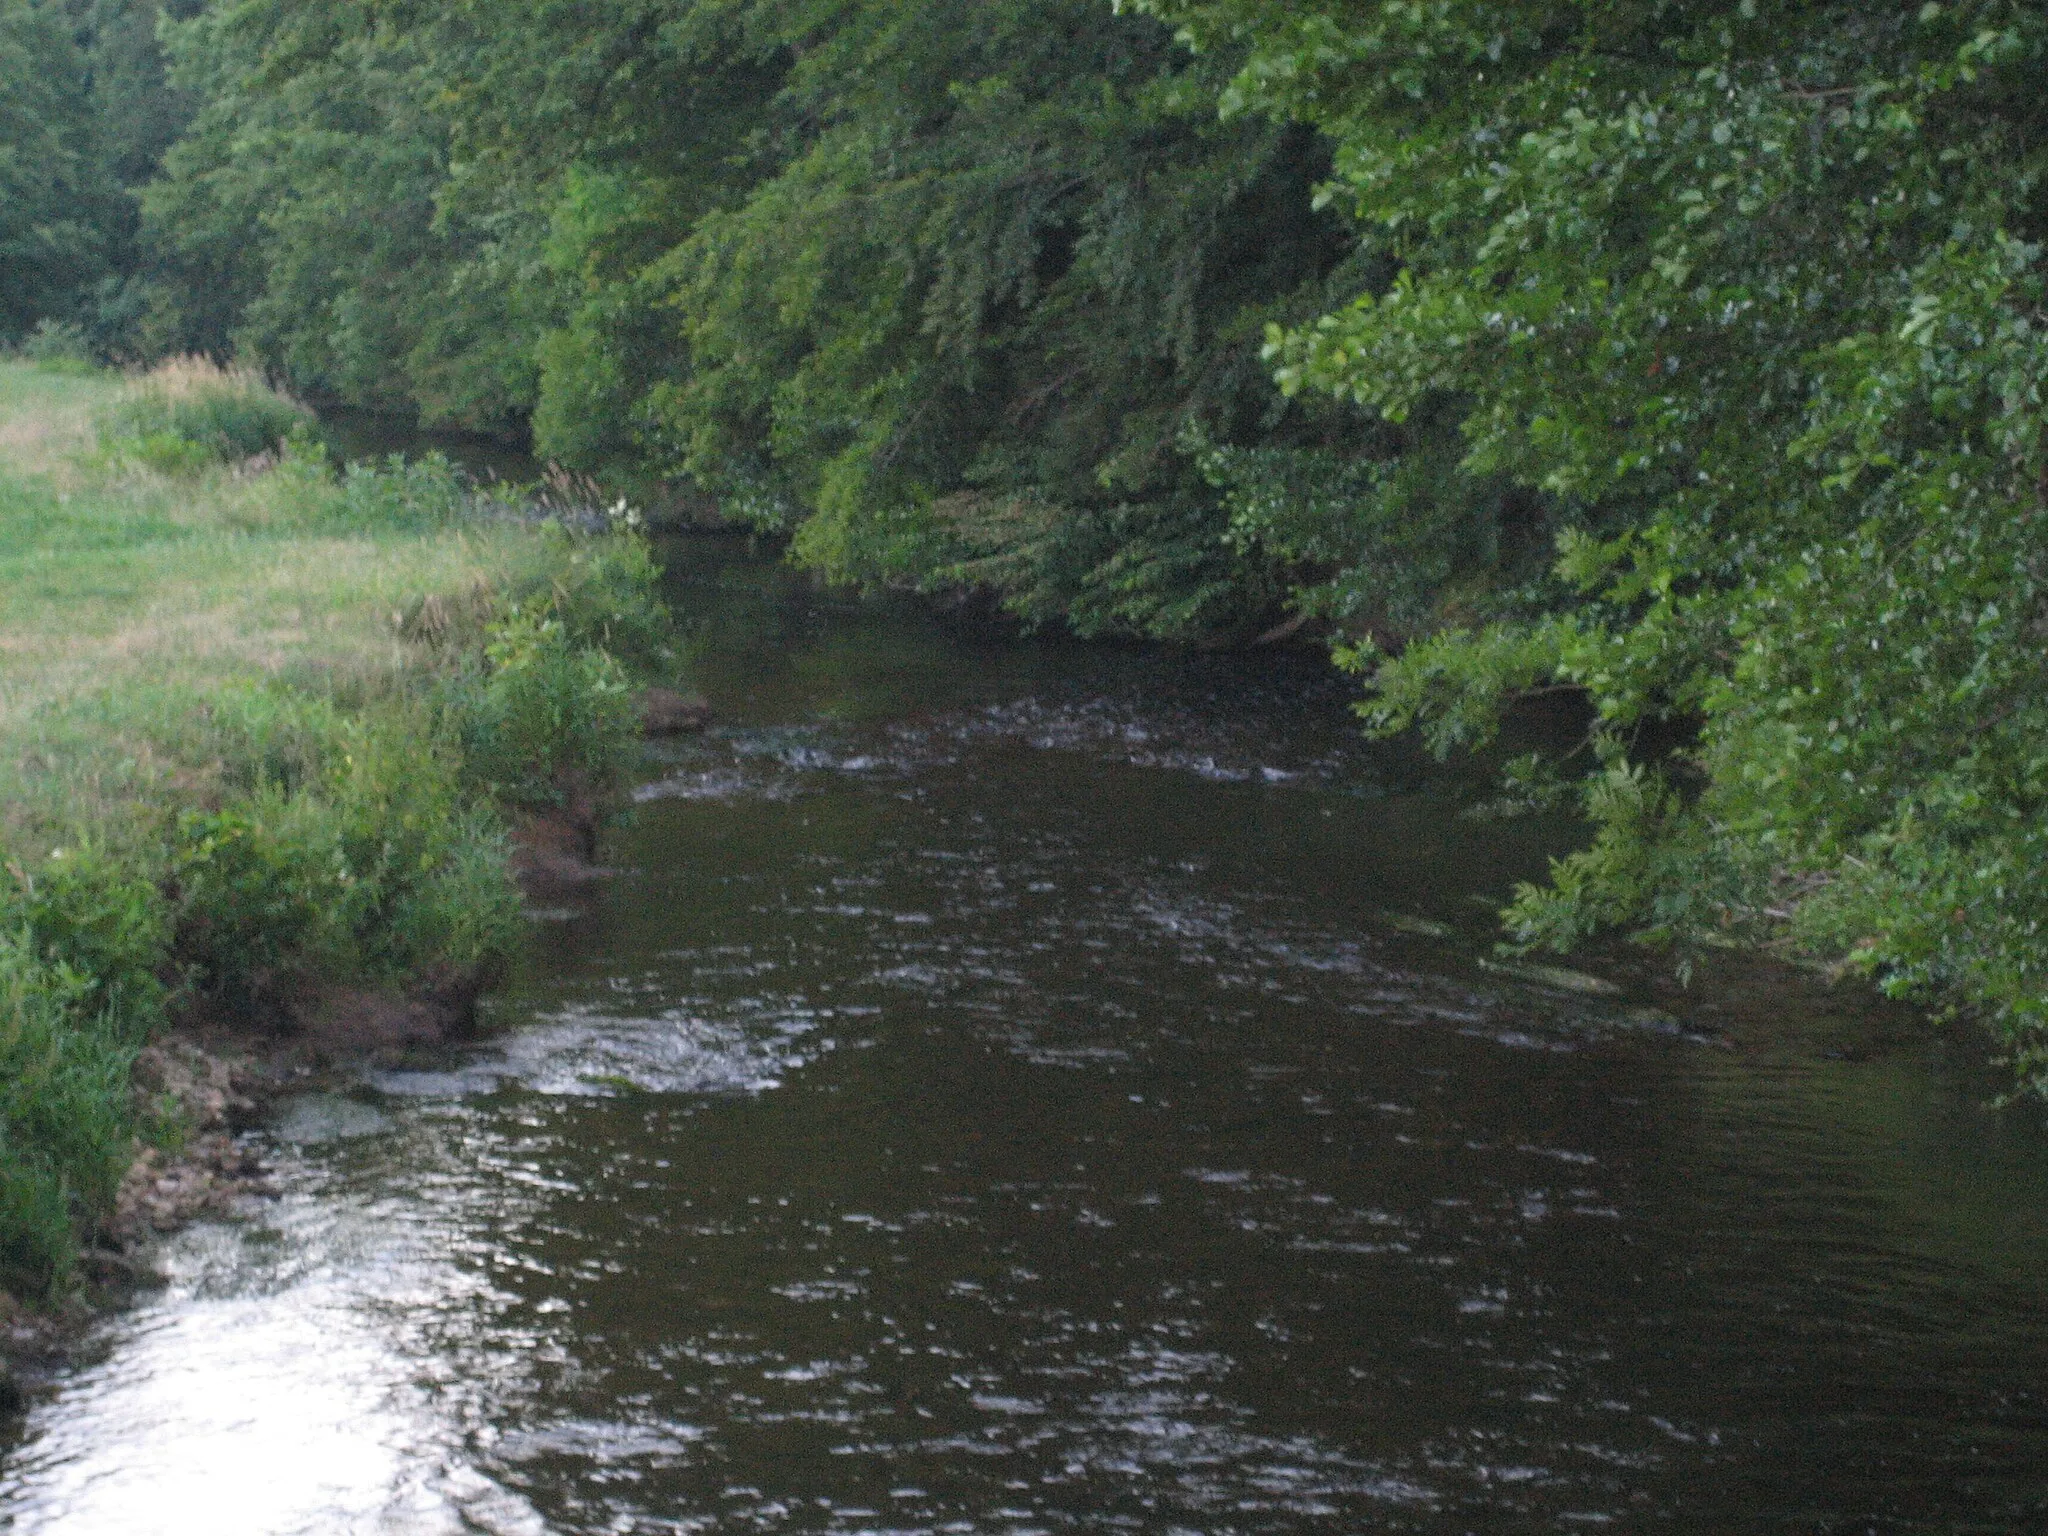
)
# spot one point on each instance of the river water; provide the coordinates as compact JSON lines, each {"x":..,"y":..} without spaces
{"x":1014,"y":1088}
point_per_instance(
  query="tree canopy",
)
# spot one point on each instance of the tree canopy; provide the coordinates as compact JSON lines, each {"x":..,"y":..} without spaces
{"x":1751,"y":294}
{"x":85,"y":116}
{"x":958,"y":299}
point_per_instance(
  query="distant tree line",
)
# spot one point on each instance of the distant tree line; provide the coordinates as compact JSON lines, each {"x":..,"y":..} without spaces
{"x":86,"y":114}
{"x":1687,"y":355}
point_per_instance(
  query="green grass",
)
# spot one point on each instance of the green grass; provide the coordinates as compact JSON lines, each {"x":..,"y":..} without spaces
{"x":189,"y":414}
{"x":257,"y":726}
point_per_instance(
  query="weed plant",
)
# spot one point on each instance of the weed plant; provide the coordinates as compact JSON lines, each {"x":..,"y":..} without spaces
{"x":66,"y":1126}
{"x":402,"y":494}
{"x":546,"y":720}
{"x":258,"y":734}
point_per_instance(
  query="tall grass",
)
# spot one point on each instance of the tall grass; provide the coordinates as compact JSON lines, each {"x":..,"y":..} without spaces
{"x":257,"y":735}
{"x":65,"y":1123}
{"x":191,"y":413}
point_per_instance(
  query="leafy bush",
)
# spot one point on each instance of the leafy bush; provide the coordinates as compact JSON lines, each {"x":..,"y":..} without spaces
{"x":604,"y":591}
{"x":94,"y":915}
{"x":419,"y":872}
{"x":341,"y":846}
{"x":401,"y":494}
{"x":352,"y":847}
{"x":253,"y":888}
{"x":1746,"y":299}
{"x":190,"y":413}
{"x":545,"y":721}
{"x":460,"y":909}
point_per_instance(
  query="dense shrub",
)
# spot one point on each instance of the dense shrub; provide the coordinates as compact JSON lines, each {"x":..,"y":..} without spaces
{"x":403,"y":494}
{"x":419,"y":876}
{"x":602,"y":591}
{"x":254,"y":887}
{"x":189,"y":413}
{"x":545,"y":721}
{"x":364,"y":844}
{"x":96,"y":916}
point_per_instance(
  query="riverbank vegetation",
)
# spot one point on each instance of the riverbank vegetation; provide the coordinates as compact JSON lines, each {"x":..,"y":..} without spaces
{"x":1689,"y":358}
{"x":261,"y":728}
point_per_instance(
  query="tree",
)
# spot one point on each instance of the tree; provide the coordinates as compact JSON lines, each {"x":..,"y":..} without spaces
{"x":962,"y":300}
{"x":303,"y":217}
{"x":54,"y":195}
{"x":1751,"y":295}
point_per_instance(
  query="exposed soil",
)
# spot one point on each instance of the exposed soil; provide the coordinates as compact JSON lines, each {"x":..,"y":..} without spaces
{"x":554,"y":851}
{"x":210,"y":1097}
{"x":664,"y":712}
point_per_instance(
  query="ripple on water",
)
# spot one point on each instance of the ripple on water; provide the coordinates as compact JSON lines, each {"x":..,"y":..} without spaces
{"x":586,"y":1049}
{"x":257,"y":1395}
{"x":774,"y":762}
{"x":308,"y":1119}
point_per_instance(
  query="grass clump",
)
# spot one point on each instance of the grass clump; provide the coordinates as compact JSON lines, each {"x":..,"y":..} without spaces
{"x":259,"y":733}
{"x":66,"y":1130}
{"x":190,"y":413}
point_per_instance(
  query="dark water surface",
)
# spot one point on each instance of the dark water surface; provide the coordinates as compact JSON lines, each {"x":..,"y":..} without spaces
{"x":359,"y":436}
{"x":1023,"y":1089}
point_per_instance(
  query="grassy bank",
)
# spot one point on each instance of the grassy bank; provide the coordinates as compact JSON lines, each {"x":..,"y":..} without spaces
{"x":261,"y":724}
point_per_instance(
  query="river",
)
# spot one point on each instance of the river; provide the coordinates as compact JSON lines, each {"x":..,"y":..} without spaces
{"x":1019,"y":1087}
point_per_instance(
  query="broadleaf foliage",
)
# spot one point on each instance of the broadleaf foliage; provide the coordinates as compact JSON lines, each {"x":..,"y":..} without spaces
{"x":1752,"y":295}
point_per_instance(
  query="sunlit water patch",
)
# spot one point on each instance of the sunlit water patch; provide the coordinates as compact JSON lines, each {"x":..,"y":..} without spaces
{"x":271,"y":1388}
{"x":589,"y":1048}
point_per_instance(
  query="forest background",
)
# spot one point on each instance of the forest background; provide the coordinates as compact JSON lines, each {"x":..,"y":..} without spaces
{"x":1685,"y":356}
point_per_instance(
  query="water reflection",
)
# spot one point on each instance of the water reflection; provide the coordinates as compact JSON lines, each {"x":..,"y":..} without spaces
{"x":1015,"y":1092}
{"x":264,"y":1393}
